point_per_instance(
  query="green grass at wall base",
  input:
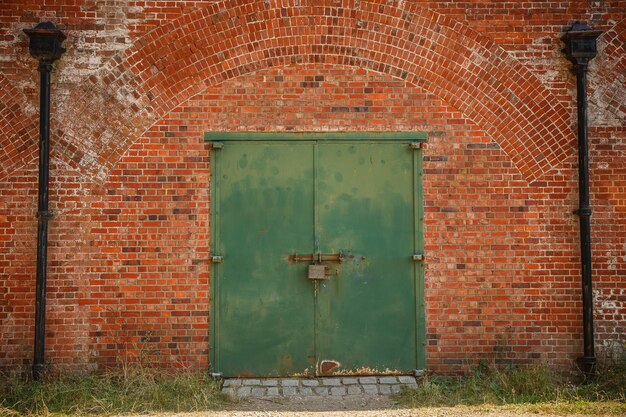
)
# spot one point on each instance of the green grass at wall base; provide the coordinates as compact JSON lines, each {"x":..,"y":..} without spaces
{"x":134,"y":391}
{"x":529,"y":389}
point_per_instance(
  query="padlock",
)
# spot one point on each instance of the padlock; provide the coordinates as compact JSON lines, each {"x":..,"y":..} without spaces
{"x":317,"y":271}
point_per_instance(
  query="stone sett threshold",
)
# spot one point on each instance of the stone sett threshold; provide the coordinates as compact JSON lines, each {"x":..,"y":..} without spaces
{"x":337,"y":387}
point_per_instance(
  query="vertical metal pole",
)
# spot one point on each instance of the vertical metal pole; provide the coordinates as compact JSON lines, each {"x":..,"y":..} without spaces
{"x":588,"y":361}
{"x":580,"y":48}
{"x":45,"y":68}
{"x":45,"y":45}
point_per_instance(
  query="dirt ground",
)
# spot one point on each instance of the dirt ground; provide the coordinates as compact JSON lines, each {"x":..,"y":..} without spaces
{"x":360,"y":406}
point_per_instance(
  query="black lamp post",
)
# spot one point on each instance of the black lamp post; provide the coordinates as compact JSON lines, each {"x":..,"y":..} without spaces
{"x":45,"y":45}
{"x":580,"y":48}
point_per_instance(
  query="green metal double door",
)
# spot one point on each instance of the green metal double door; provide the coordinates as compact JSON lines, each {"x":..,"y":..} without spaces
{"x":316,"y":250}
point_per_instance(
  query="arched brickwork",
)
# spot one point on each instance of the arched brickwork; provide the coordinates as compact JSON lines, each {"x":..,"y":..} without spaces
{"x":209,"y":46}
{"x":18,"y":130}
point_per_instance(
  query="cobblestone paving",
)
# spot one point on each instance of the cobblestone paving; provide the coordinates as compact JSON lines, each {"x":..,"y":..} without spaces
{"x":337,"y":387}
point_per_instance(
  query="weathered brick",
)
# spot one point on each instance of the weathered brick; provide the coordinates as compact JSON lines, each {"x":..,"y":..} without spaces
{"x":128,"y":271}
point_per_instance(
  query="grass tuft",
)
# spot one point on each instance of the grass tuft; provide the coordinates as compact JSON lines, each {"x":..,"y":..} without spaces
{"x":533,"y":388}
{"x":134,"y":391}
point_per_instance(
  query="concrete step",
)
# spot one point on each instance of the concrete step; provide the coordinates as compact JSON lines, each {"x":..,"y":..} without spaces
{"x":337,"y":387}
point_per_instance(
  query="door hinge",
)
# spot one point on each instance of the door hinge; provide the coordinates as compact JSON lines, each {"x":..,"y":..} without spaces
{"x":417,"y":145}
{"x":217,"y":145}
{"x":217,"y":259}
{"x":418,"y":257}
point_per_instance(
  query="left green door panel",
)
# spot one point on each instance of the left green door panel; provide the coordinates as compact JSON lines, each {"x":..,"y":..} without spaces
{"x":261,"y":214}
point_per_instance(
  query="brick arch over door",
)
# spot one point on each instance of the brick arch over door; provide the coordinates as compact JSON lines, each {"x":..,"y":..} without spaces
{"x":206,"y":47}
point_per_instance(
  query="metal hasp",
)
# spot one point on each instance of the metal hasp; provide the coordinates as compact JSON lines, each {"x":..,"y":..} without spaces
{"x":45,"y":45}
{"x":319,"y":257}
{"x":580,"y":48}
{"x":318,"y":270}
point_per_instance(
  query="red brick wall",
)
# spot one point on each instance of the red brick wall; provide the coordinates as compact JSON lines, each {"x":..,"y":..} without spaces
{"x":141,"y":82}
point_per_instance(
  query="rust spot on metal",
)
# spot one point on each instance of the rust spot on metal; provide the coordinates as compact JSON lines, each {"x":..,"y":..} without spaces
{"x":304,"y":374}
{"x":285,"y":363}
{"x":327,"y":367}
{"x":368,"y":371}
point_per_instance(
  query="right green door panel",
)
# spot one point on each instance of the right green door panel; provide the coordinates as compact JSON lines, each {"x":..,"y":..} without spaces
{"x":367,"y":310}
{"x":272,"y":199}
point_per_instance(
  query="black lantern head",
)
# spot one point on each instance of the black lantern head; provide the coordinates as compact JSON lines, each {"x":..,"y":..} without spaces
{"x":45,"y":41}
{"x":580,"y":43}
